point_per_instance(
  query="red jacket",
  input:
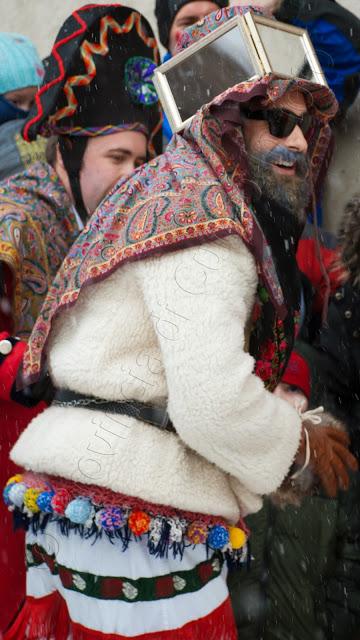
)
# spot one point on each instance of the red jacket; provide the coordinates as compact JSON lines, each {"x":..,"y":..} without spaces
{"x":14,"y":417}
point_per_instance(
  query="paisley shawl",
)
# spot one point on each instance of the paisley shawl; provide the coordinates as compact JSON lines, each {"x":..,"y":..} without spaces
{"x":195,"y":192}
{"x":37,"y":228}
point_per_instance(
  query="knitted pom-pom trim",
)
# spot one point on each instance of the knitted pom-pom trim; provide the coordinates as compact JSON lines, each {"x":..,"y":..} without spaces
{"x":35,"y":503}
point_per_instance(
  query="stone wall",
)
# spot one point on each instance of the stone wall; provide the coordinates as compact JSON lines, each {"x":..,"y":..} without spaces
{"x":40,"y":20}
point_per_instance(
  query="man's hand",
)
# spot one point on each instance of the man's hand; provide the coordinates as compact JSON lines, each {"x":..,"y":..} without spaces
{"x":330,"y":458}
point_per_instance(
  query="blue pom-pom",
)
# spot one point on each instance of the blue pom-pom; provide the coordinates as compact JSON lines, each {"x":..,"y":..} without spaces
{"x":218,"y":537}
{"x":43,"y":501}
{"x":78,"y":510}
{"x":138,"y":73}
{"x":6,"y":492}
{"x":16,"y":493}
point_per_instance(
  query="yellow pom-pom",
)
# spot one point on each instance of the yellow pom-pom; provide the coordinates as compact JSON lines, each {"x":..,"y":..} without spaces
{"x":237,"y":537}
{"x":30,"y":497}
{"x":17,"y":478}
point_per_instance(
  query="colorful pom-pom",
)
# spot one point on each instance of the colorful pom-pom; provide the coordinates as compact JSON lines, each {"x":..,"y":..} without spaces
{"x":139,"y":522}
{"x":16,"y":493}
{"x":17,"y":478}
{"x":197,"y":532}
{"x":60,"y":501}
{"x":218,"y":537}
{"x":156,"y":529}
{"x":79,"y":510}
{"x":30,"y":497}
{"x":177,"y":528}
{"x":44,"y":501}
{"x":6,"y":493}
{"x":110,"y":518}
{"x":237,"y":537}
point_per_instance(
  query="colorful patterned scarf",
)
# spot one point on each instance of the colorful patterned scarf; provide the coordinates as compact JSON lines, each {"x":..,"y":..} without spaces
{"x":37,"y":228}
{"x":192,"y":193}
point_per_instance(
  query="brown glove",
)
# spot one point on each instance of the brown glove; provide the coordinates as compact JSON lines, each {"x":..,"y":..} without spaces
{"x":330,"y":457}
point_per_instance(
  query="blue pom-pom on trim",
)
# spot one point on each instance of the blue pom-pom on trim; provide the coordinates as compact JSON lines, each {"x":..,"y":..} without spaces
{"x":218,"y":537}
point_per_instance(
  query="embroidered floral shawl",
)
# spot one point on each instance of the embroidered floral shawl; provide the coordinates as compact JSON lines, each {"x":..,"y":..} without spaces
{"x":193,"y":193}
{"x":37,"y":228}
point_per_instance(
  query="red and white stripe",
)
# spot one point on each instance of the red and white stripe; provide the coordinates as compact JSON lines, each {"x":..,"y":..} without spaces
{"x":202,"y":614}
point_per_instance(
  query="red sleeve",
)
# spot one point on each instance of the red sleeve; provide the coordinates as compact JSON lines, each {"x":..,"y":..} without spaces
{"x":9,"y":367}
{"x":309,"y":264}
{"x":6,"y":295}
{"x":8,"y":372}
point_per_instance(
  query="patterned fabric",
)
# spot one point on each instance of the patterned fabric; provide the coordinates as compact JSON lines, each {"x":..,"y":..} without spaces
{"x":30,"y":152}
{"x":37,"y":228}
{"x":125,"y":589}
{"x":193,"y":193}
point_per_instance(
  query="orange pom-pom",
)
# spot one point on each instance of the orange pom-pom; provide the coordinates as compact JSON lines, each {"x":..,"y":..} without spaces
{"x":139,"y":522}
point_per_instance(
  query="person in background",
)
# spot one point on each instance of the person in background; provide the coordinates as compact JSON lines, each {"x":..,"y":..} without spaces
{"x":105,"y":132}
{"x":173,"y":16}
{"x":21,"y":73}
{"x":335,"y":35}
{"x":303,"y":581}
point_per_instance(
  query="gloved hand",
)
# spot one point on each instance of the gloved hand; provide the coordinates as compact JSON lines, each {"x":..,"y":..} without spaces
{"x":330,"y":457}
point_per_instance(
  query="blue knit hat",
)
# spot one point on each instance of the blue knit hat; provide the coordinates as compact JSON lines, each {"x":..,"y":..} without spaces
{"x":20,"y":65}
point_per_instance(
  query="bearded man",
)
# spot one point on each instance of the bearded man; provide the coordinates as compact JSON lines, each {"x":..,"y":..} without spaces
{"x":166,"y":329}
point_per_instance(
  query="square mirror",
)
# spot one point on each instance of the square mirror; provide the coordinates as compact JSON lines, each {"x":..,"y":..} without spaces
{"x":285,"y":50}
{"x":206,"y":69}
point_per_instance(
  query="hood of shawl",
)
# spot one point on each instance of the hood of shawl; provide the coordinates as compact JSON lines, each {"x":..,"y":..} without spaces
{"x":349,"y":238}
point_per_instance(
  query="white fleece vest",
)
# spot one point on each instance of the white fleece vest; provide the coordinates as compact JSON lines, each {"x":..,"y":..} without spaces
{"x":167,"y":330}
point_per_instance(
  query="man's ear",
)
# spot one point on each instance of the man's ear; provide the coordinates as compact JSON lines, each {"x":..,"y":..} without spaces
{"x":59,"y":167}
{"x":58,"y":158}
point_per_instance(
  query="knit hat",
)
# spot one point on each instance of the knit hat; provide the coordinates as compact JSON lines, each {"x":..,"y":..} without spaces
{"x":297,"y":373}
{"x":165,"y":12}
{"x":20,"y":65}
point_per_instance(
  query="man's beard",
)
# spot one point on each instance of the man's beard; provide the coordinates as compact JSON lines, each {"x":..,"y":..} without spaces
{"x":290,"y":192}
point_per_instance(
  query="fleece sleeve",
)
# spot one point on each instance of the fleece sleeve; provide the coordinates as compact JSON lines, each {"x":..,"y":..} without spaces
{"x":199,"y":300}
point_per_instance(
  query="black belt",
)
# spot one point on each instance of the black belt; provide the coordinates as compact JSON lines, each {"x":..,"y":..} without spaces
{"x":157,"y":416}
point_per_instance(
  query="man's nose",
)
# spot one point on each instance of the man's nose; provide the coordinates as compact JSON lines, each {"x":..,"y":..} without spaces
{"x":296,"y":141}
{"x":130,"y":166}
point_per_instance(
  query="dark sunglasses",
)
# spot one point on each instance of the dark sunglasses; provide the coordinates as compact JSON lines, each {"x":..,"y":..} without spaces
{"x":281,"y":122}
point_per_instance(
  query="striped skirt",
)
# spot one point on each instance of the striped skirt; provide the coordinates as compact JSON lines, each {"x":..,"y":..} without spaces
{"x":78,"y":589}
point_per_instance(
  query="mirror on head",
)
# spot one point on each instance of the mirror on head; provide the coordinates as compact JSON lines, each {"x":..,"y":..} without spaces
{"x":288,"y":50}
{"x":244,"y":48}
